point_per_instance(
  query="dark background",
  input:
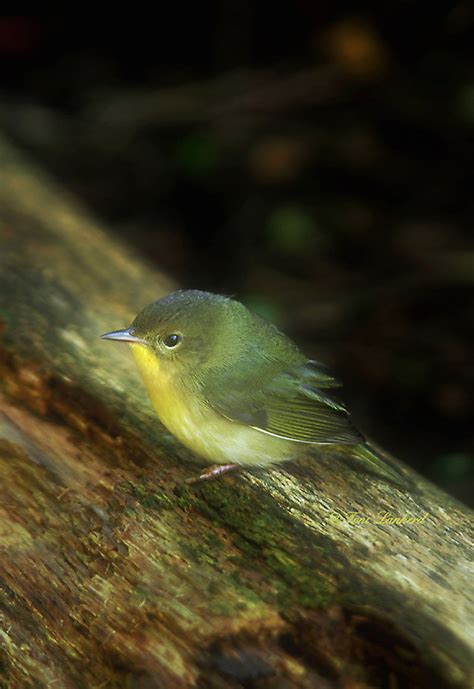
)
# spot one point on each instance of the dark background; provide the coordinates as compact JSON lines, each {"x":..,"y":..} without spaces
{"x":313,"y":159}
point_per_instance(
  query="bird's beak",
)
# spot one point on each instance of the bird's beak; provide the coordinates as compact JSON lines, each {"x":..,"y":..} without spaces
{"x":123,"y":336}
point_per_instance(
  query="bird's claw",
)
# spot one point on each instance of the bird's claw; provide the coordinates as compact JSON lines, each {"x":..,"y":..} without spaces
{"x":212,"y":472}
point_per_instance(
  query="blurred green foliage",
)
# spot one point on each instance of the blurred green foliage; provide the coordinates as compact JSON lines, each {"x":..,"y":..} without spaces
{"x":453,"y":467}
{"x":290,"y":229}
{"x":197,"y":153}
{"x":266,"y":308}
{"x":466,"y":103}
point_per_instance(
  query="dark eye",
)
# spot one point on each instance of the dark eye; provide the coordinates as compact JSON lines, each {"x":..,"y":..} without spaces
{"x":171,"y":341}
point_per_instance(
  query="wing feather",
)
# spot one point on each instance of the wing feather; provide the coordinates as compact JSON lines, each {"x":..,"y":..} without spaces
{"x":287,"y":403}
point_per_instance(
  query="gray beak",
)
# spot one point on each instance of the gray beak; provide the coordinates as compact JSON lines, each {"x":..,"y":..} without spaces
{"x":123,"y":336}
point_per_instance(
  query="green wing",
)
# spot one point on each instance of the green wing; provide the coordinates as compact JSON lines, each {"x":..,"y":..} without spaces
{"x":288,"y":403}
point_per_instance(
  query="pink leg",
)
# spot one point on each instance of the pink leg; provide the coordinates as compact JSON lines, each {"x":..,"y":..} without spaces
{"x":213,"y":472}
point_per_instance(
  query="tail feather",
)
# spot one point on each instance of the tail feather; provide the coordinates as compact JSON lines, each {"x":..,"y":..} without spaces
{"x":385,"y":466}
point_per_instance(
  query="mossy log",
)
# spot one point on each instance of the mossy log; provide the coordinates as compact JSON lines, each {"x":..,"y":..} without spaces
{"x":115,"y":573}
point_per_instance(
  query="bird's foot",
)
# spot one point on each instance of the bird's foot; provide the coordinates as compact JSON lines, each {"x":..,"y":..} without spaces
{"x":213,"y":472}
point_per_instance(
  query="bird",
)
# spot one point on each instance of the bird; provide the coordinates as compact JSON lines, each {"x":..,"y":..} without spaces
{"x":235,"y":390}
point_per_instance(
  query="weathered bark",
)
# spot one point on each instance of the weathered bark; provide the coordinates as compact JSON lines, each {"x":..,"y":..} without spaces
{"x":114,"y":573}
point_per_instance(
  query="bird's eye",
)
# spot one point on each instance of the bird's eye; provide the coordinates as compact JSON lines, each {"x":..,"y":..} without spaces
{"x":172,"y":340}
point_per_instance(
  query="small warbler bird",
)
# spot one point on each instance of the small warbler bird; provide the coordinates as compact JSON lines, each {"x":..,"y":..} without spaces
{"x":234,"y":389}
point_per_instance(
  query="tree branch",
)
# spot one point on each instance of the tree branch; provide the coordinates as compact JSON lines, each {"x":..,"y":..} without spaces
{"x":115,"y":573}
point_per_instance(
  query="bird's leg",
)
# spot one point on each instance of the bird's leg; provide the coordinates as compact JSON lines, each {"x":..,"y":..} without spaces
{"x":213,"y":472}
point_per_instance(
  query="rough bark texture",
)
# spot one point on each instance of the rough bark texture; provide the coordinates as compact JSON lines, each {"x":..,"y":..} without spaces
{"x":114,"y":573}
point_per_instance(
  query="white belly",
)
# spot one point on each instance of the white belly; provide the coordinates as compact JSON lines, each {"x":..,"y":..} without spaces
{"x":222,"y":441}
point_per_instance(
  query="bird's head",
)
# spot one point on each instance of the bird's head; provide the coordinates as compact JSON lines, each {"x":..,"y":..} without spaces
{"x":195,"y":335}
{"x":187,"y":329}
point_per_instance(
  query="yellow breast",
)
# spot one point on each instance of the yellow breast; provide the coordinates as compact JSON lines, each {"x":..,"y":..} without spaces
{"x":170,"y":405}
{"x":199,"y":427}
